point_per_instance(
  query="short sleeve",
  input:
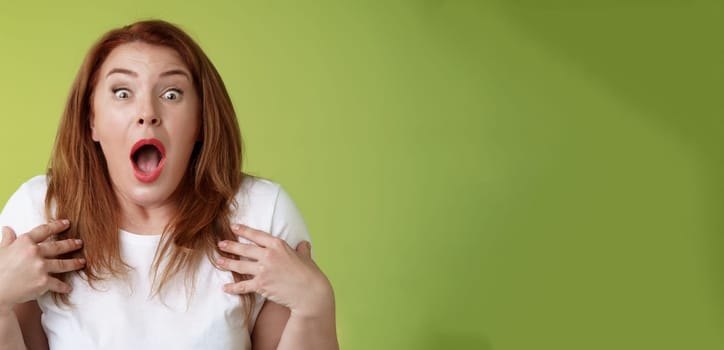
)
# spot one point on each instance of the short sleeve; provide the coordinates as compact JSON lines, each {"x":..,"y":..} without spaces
{"x":266,"y":206}
{"x":287,"y":222}
{"x":26,"y":207}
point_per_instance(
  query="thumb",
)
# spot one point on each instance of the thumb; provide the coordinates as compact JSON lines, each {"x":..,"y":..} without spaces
{"x":8,"y":236}
{"x":304,"y":248}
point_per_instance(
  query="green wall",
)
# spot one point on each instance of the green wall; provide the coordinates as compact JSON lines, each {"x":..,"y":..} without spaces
{"x":476,"y":175}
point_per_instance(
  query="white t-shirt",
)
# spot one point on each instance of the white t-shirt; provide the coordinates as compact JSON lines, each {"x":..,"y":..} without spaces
{"x":122,"y":314}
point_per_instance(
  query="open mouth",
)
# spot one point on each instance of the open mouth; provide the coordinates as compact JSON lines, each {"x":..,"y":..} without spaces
{"x":148,"y":157}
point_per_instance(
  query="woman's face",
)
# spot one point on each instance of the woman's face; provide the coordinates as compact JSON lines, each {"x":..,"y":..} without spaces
{"x":145,"y":116}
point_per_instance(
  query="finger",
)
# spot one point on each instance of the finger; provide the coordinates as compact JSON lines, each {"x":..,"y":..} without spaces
{"x":242,"y":249}
{"x":43,"y":232}
{"x":304,"y":248}
{"x":239,"y":266}
{"x":58,"y":286}
{"x":8,"y":236}
{"x":243,"y":287}
{"x":64,"y":265}
{"x":259,"y":237}
{"x":55,"y":248}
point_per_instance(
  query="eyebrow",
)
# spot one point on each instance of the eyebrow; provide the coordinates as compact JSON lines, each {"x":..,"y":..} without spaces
{"x":122,"y":71}
{"x":176,"y":72}
{"x":134,"y":74}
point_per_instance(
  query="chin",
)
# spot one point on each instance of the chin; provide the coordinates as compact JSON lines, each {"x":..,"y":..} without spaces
{"x":147,"y":197}
{"x":146,"y":194}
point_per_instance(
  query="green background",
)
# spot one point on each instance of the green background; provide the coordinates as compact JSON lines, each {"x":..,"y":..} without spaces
{"x":476,"y":175}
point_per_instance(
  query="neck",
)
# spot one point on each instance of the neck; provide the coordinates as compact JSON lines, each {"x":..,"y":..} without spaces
{"x":145,"y":219}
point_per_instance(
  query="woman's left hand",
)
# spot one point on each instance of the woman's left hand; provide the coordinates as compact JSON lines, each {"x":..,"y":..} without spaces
{"x":281,"y":274}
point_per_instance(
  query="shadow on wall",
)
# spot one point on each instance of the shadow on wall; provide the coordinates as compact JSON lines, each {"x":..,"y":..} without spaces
{"x":673,"y":74}
{"x":435,"y":340}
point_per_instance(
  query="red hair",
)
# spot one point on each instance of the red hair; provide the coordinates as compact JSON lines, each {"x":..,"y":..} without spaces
{"x":79,"y":186}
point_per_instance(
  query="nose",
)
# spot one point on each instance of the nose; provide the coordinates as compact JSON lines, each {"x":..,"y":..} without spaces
{"x":149,"y":120}
{"x":147,"y":109}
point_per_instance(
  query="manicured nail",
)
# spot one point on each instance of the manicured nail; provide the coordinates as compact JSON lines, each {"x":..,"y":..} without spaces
{"x":65,"y":221}
{"x":223,"y":244}
{"x":78,"y":241}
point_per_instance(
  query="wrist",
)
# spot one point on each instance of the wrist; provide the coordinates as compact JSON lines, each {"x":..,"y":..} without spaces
{"x":6,"y":305}
{"x":6,"y":308}
{"x":320,"y":304}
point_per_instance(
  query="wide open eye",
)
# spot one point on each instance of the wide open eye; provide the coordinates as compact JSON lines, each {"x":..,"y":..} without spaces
{"x":172,"y":94}
{"x":122,"y":94}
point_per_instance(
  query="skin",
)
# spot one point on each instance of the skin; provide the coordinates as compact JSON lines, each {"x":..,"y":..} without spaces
{"x":27,"y":263}
{"x":299,"y":296}
{"x":145,"y":91}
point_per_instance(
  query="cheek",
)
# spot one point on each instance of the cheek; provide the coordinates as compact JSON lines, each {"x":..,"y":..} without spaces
{"x":187,"y":137}
{"x":103,"y":130}
{"x":188,"y":128}
{"x":106,"y":125}
{"x":111,"y":135}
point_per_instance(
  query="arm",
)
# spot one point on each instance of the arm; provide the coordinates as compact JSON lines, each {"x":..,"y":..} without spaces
{"x":278,"y":328}
{"x":269,"y":326}
{"x":315,"y":331}
{"x":28,"y":315}
{"x":290,"y":279}
{"x":12,"y":337}
{"x":22,"y":326}
{"x":25,"y":267}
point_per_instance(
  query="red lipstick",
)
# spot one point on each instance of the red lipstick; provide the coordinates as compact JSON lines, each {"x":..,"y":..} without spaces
{"x":148,"y":157}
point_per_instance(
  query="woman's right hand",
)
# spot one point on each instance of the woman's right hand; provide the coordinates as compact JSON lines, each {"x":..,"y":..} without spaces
{"x":27,"y":262}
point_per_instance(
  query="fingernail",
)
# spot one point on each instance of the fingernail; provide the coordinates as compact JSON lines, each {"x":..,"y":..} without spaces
{"x":82,"y":261}
{"x":223,"y":244}
{"x":236,"y":227}
{"x":78,"y":241}
{"x":220,"y":261}
{"x":65,"y":221}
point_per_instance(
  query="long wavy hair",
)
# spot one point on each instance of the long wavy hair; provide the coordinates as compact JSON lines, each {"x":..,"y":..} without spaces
{"x":79,"y":186}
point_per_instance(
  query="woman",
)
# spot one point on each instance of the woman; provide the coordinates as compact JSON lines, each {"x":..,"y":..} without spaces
{"x":156,"y":239}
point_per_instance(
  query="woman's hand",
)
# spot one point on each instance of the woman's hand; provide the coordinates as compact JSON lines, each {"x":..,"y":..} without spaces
{"x":281,"y":274}
{"x":27,"y":262}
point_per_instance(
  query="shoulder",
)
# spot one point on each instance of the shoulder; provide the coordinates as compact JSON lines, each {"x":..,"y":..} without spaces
{"x":257,"y":189}
{"x":32,"y":191}
{"x":35,"y":186}
{"x":256,"y":202}
{"x":265,"y":205}
{"x":26,"y":207}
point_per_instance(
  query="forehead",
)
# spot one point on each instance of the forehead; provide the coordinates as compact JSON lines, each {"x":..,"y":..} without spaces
{"x":142,"y":58}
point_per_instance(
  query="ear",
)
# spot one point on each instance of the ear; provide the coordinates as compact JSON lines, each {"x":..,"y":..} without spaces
{"x":94,"y":136}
